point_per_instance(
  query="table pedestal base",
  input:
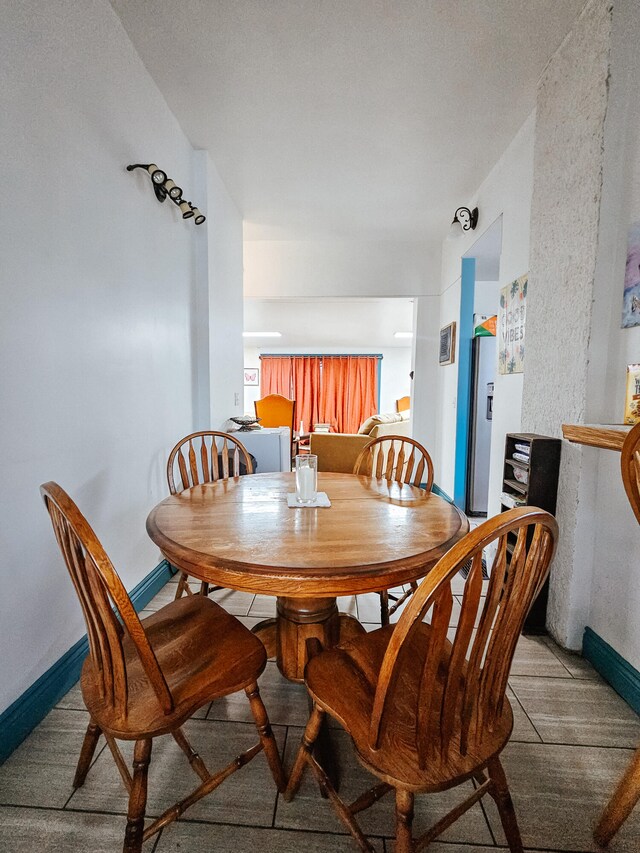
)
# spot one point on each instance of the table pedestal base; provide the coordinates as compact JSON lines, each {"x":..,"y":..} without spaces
{"x":298,"y":620}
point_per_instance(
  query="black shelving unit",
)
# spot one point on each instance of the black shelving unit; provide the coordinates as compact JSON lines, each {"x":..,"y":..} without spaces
{"x":534,"y":483}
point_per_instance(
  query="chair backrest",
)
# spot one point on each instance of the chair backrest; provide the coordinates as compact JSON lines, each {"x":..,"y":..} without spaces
{"x":630,"y":462}
{"x":204,"y":457}
{"x":403,"y":404}
{"x":274,"y":410}
{"x":107,"y":608}
{"x":394,"y":457}
{"x":461,"y":686}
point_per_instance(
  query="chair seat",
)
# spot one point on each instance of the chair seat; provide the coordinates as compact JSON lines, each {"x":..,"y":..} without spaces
{"x":203,"y":652}
{"x":343,"y":682}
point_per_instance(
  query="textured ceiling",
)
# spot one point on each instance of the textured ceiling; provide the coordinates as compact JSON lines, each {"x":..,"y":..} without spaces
{"x":369,"y":119}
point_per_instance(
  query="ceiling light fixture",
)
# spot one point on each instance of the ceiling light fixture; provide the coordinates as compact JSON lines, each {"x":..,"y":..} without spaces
{"x":463,"y":220}
{"x":403,"y":334}
{"x":164,"y":188}
{"x":262,"y":334}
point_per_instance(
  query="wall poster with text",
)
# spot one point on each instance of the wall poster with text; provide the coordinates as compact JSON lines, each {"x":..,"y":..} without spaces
{"x":513,"y":310}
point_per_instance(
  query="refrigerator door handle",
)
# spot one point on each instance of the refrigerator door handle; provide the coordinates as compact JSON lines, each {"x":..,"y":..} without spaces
{"x":489,"y":401}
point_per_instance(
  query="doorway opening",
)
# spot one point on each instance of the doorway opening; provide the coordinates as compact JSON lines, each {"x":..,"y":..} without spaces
{"x":479,"y":303}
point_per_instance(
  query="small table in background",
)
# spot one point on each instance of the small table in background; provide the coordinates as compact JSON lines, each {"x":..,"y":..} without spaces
{"x":271,"y":447}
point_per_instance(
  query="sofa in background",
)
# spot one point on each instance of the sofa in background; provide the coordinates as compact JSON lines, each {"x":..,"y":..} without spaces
{"x":338,"y":451}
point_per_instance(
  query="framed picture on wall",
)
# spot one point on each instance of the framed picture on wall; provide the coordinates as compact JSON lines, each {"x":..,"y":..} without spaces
{"x":252,"y":376}
{"x":631,"y":304}
{"x":447,"y":344}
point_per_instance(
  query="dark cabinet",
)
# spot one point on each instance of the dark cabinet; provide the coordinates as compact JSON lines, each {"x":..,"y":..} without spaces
{"x":530,"y":477}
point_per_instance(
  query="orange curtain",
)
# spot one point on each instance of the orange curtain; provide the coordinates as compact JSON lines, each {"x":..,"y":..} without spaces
{"x":362,"y":397}
{"x":275,"y":376}
{"x":339,"y":390}
{"x":333,"y":394}
{"x":306,"y":390}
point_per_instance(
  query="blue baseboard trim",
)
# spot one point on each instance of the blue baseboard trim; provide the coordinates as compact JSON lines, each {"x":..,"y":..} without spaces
{"x":35,"y":703}
{"x":624,"y":678}
{"x":438,"y":491}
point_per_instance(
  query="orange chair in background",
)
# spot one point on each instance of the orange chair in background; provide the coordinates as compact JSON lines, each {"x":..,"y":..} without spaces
{"x":403,"y":404}
{"x":274,"y":410}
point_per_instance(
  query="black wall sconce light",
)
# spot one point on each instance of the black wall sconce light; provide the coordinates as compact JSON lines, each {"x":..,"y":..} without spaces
{"x":164,"y":188}
{"x":463,"y":220}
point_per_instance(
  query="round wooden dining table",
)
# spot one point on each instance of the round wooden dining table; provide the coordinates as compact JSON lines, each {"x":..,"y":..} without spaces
{"x":241,"y":534}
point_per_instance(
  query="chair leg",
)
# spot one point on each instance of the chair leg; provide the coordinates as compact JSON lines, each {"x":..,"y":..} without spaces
{"x":404,"y":821}
{"x":621,"y":804}
{"x":308,"y":739}
{"x":384,"y":608}
{"x":183,"y":585}
{"x":499,"y":790}
{"x":137,"y":797}
{"x":86,"y":753}
{"x":266,"y":735}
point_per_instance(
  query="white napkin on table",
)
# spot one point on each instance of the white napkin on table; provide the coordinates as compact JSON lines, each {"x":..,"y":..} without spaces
{"x":321,"y":500}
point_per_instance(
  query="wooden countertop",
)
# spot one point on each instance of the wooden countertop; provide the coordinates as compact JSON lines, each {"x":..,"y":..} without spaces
{"x":607,"y":436}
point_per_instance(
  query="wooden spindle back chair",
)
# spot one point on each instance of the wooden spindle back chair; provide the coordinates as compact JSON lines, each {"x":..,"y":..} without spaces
{"x":402,"y":460}
{"x":425,"y":711}
{"x":204,"y":457}
{"x":627,"y":793}
{"x":106,"y":606}
{"x":146,"y":678}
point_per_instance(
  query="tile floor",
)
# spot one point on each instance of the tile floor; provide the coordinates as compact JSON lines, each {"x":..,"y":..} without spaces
{"x":572,"y":738}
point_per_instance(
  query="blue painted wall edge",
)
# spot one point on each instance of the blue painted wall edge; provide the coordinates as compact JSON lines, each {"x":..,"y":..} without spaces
{"x":438,"y":491}
{"x":624,"y":678}
{"x":35,"y":703}
{"x":463,"y":405}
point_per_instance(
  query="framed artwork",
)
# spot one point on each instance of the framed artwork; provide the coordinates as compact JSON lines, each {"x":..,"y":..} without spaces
{"x":631,"y":299}
{"x":447,"y":344}
{"x":252,"y":376}
{"x":513,"y":312}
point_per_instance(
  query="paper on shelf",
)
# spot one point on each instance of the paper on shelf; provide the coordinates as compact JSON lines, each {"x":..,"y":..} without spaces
{"x":507,"y":499}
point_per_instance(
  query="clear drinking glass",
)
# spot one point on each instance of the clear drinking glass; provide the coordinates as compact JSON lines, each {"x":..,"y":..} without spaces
{"x":306,"y":478}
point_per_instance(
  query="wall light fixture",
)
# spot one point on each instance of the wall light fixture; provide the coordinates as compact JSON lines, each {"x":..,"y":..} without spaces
{"x":463,"y":220}
{"x":164,"y":188}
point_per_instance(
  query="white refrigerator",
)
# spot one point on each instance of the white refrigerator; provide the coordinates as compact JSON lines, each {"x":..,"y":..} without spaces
{"x":483,"y":370}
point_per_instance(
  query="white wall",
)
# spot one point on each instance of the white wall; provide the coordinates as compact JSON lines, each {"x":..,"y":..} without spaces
{"x":615,"y":592}
{"x":486,"y":297}
{"x":506,"y":191}
{"x":565,"y":223}
{"x":220,"y":285}
{"x":597,"y":583}
{"x":447,"y":398}
{"x":289,"y":269}
{"x":426,"y":330}
{"x":98,"y":310}
{"x":587,"y":193}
